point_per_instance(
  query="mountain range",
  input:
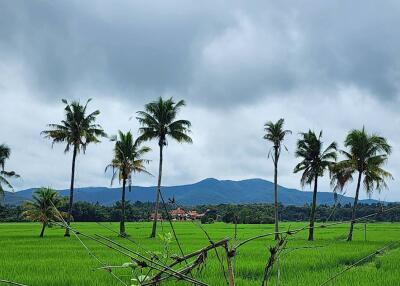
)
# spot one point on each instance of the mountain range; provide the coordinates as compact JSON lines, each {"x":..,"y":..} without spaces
{"x":208,"y":191}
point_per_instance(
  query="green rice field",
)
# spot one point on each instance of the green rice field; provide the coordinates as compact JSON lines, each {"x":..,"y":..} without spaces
{"x":54,"y":260}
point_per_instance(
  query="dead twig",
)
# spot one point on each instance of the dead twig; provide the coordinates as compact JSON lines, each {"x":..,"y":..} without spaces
{"x":274,"y":255}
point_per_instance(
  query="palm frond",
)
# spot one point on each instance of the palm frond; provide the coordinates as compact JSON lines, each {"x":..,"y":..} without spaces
{"x":78,"y":128}
{"x":127,"y":156}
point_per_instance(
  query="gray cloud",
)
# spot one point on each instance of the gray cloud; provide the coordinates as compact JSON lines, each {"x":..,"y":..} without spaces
{"x":328,"y":65}
{"x":128,"y":47}
{"x":215,"y":53}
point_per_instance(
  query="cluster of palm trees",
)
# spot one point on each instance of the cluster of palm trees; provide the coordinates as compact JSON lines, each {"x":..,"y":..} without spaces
{"x":158,"y":121}
{"x":364,"y":158}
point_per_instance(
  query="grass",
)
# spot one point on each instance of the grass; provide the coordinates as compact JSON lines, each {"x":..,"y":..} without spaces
{"x":55,"y":260}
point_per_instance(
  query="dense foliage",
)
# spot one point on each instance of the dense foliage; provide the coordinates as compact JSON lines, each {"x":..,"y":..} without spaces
{"x":248,"y":214}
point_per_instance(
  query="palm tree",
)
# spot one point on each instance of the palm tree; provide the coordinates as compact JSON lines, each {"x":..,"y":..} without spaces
{"x":276,"y":134}
{"x":77,"y":130}
{"x":315,"y":160}
{"x":365,"y":158}
{"x":127,"y":160}
{"x":159,"y":122}
{"x":5,"y":153}
{"x":42,"y":208}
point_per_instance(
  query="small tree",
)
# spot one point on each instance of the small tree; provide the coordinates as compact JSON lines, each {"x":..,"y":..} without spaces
{"x":127,"y":160}
{"x":77,"y":130}
{"x":315,"y":160}
{"x":42,"y":208}
{"x":275,"y":133}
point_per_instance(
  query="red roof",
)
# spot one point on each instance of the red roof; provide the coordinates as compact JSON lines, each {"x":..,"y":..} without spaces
{"x":177,"y":212}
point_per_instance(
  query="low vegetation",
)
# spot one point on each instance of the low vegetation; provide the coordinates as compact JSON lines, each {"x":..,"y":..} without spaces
{"x":55,"y":260}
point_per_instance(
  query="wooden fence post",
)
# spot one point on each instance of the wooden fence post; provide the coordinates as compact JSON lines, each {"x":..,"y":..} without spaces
{"x":229,"y":257}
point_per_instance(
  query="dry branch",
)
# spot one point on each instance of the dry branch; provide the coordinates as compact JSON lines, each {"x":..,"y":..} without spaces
{"x":274,"y":255}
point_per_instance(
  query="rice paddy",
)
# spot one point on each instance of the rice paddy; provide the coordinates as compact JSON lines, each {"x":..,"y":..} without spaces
{"x":55,"y":260}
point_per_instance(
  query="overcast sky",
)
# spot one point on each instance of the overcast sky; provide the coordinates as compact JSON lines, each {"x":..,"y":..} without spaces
{"x":323,"y":65}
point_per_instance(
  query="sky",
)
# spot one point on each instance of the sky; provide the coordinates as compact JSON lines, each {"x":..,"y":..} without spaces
{"x":325,"y":65}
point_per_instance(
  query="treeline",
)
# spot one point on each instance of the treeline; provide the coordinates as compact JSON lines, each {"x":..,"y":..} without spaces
{"x":244,"y":214}
{"x":262,"y":213}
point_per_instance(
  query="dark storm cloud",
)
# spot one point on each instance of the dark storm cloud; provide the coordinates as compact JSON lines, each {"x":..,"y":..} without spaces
{"x":104,"y":45}
{"x":212,"y":53}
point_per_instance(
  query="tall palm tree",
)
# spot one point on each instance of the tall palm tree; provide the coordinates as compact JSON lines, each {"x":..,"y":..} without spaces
{"x":42,"y":207}
{"x":159,"y":122}
{"x":276,"y":134}
{"x":365,"y":158}
{"x":77,"y":130}
{"x":127,"y":160}
{"x":5,"y":153}
{"x":315,"y":160}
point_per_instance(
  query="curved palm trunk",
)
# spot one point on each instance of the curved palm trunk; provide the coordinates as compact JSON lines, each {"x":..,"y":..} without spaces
{"x":313,"y":207}
{"x":122,"y":222}
{"x":353,"y":214}
{"x":154,"y":229}
{"x":276,"y":195}
{"x":71,"y":191}
{"x":43,"y":227}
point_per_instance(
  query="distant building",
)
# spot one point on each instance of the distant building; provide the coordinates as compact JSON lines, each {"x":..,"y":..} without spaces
{"x":181,"y":214}
{"x":194,"y":215}
{"x":178,"y":214}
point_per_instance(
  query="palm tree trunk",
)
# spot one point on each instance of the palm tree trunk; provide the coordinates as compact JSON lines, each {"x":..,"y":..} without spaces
{"x":353,"y":214}
{"x":71,"y":191}
{"x":313,"y":207}
{"x":42,"y":232}
{"x":276,"y":194}
{"x":154,"y":229}
{"x":122,"y":222}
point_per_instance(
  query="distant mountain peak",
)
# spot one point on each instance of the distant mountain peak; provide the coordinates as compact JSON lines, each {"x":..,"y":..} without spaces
{"x":209,"y":180}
